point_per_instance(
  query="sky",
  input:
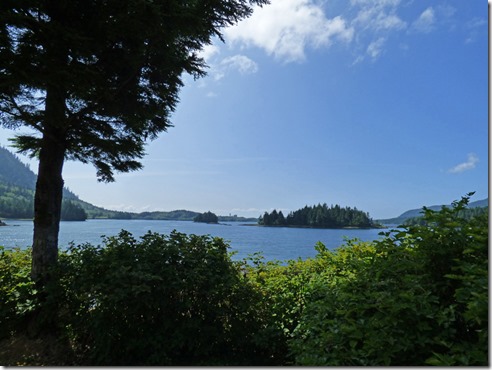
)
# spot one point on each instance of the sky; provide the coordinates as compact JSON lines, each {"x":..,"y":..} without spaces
{"x":376,"y":104}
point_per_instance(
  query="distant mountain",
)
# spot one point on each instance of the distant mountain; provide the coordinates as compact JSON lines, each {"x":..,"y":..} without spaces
{"x":14,"y":172}
{"x":18,"y":183}
{"x":418,"y":212}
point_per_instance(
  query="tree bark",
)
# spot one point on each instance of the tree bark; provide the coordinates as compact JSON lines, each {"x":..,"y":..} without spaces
{"x":49,"y":188}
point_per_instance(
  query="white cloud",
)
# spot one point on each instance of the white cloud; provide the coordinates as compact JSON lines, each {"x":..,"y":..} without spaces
{"x":240,"y":63}
{"x":375,"y":48}
{"x":425,"y":22}
{"x":209,"y":51}
{"x":375,"y":22}
{"x":378,"y":15}
{"x":285,"y":28}
{"x":465,"y":166}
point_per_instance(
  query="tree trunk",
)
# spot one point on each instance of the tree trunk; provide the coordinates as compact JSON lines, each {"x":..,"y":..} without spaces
{"x":49,"y":189}
{"x":47,"y":209}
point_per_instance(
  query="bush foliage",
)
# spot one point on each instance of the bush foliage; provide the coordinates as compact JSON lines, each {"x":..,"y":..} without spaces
{"x":416,"y":296}
{"x":161,"y":300}
{"x":16,"y":290}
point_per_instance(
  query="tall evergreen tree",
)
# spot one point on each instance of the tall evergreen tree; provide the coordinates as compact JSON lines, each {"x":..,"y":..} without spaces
{"x":95,"y":80}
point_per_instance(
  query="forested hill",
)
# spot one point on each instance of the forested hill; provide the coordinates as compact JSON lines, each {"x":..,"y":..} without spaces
{"x":418,"y":212}
{"x":17,"y":186}
{"x":13,"y":172}
{"x":320,"y":216}
{"x":18,"y":183}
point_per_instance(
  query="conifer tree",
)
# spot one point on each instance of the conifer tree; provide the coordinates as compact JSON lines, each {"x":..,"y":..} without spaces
{"x":94,"y":80}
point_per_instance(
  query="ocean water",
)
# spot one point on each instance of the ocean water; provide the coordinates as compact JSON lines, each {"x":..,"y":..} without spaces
{"x":274,"y":243}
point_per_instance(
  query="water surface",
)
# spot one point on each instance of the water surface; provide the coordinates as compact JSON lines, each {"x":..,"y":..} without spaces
{"x":275,"y":243}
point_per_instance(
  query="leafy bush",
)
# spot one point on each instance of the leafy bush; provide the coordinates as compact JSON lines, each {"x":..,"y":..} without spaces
{"x":16,"y":290}
{"x":417,"y":296}
{"x":283,"y":290}
{"x":162,"y":300}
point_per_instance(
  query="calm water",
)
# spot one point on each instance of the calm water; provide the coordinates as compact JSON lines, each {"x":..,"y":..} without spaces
{"x":274,"y":243}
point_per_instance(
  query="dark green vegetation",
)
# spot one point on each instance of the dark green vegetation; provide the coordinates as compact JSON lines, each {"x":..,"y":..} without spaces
{"x":207,"y":217}
{"x":416,"y":213}
{"x":417,"y":296}
{"x":17,"y":186}
{"x":466,"y":213}
{"x":18,"y":202}
{"x":319,"y":216}
{"x":72,"y":212}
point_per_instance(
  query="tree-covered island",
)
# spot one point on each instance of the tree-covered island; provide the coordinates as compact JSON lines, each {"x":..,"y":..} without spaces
{"x":207,"y":217}
{"x":320,"y":216}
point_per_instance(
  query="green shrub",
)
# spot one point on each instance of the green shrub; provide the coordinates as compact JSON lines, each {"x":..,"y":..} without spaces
{"x":284,"y":288}
{"x":16,"y":290}
{"x":418,"y":296}
{"x":176,"y":300}
{"x":454,"y":252}
{"x":374,"y":312}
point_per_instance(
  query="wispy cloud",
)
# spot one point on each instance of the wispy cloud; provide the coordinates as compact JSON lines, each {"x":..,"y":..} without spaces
{"x":465,"y":166}
{"x":375,"y":48}
{"x":377,"y":15}
{"x":285,"y":28}
{"x":220,"y":67}
{"x":240,"y":63}
{"x":474,"y":28}
{"x":425,"y":22}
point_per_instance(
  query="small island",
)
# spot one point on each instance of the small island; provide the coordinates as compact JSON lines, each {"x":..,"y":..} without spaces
{"x":320,"y":216}
{"x":207,"y":217}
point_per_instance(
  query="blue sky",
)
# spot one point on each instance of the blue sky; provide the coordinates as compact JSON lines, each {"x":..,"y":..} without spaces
{"x":377,"y":104}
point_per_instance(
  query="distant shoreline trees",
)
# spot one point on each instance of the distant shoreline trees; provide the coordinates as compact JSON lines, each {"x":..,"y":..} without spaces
{"x":319,"y":216}
{"x":72,"y":212}
{"x":207,"y":217}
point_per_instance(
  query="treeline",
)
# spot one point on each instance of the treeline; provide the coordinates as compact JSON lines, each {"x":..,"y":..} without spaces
{"x":18,"y":202}
{"x":320,"y":216}
{"x":207,"y":217}
{"x":72,"y":212}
